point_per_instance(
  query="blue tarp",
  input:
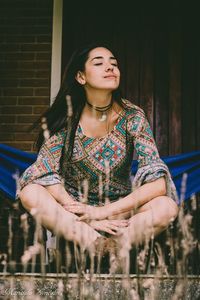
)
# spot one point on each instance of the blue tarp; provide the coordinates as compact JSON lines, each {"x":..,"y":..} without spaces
{"x":13,"y":162}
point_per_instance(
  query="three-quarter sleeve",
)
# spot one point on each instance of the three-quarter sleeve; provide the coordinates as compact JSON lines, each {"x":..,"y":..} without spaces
{"x":46,"y":169}
{"x":150,"y":165}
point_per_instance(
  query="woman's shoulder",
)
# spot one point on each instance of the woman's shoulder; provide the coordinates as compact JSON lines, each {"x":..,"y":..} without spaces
{"x":132,"y":110}
{"x":135,"y":117}
{"x":56,"y":139}
{"x":58,"y":135}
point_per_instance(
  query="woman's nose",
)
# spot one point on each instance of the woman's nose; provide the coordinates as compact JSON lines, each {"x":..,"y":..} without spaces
{"x":109,"y":67}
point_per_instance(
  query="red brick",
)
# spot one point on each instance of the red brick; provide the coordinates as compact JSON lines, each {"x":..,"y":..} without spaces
{"x":20,"y":56}
{"x":42,"y":92}
{"x":18,"y":74}
{"x":22,"y":21}
{"x":7,"y":119}
{"x":37,"y":65}
{"x":9,"y":47}
{"x":5,"y":65}
{"x":21,"y":39}
{"x":8,"y":82}
{"x":36,"y":47}
{"x":40,"y":12}
{"x":2,"y":56}
{"x":18,"y":92}
{"x":17,"y":110}
{"x":23,"y":3}
{"x":34,"y":148}
{"x":34,"y":82}
{"x":6,"y":137}
{"x":42,"y":100}
{"x":39,"y":109}
{"x":43,"y":74}
{"x":15,"y":128}
{"x":25,"y":30}
{"x":25,"y":65}
{"x":26,"y":136}
{"x":22,"y":146}
{"x":8,"y":100}
{"x":44,"y":39}
{"x":43,"y":56}
{"x":45,"y":21}
{"x":27,"y":119}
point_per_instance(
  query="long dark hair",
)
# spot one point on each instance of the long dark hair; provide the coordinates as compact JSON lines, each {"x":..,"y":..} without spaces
{"x":56,"y":115}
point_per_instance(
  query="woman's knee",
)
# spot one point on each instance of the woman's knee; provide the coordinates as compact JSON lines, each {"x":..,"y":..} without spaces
{"x":167,"y":210}
{"x":29,"y":195}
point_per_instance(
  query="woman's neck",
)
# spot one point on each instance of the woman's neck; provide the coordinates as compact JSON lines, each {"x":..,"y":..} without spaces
{"x":99,"y":99}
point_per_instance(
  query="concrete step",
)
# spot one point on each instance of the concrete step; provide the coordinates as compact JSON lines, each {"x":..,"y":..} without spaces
{"x":98,"y":287}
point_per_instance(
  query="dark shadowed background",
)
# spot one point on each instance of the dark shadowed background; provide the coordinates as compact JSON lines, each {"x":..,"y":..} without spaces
{"x":158,"y":49}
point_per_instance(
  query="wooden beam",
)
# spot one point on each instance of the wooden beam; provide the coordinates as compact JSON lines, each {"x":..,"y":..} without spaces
{"x":56,"y":48}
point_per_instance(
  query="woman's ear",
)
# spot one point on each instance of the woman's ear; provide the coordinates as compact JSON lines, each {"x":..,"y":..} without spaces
{"x":80,"y":78}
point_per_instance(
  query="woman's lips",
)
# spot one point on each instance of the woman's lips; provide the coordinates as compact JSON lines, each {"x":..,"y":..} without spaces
{"x":110,"y":76}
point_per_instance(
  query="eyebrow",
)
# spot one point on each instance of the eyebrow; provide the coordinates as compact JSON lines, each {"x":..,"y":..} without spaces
{"x":100,"y":57}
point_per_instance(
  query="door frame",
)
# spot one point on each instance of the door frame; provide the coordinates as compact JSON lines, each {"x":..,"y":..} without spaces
{"x":56,"y":54}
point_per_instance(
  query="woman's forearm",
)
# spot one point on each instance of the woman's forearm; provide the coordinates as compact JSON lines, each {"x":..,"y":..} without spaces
{"x":137,"y":198}
{"x":59,"y":193}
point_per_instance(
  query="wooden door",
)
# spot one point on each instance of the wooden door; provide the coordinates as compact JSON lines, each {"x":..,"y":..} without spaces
{"x":160,"y":66}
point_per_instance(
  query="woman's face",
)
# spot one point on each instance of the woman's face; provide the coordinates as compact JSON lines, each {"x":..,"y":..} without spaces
{"x":101,"y":71}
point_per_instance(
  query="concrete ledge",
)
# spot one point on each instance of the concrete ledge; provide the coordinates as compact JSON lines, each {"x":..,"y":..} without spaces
{"x":103,"y":286}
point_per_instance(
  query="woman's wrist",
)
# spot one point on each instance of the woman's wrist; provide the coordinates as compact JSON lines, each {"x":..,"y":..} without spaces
{"x":118,"y":207}
{"x":105,"y":211}
{"x":96,"y":212}
{"x":60,"y":194}
{"x":67,"y":201}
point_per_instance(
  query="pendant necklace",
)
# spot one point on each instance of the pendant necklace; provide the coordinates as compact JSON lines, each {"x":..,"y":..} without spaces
{"x":103,"y":109}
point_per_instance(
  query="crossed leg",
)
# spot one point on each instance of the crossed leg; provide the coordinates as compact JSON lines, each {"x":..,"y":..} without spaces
{"x":49,"y":213}
{"x":149,"y":220}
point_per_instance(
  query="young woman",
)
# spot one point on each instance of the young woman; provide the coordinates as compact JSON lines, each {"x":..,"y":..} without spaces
{"x":80,"y":185}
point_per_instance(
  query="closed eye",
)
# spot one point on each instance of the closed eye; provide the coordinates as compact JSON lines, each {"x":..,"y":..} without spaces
{"x":98,"y":64}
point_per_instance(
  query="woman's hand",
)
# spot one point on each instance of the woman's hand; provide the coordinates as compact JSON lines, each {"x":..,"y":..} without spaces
{"x":69,"y":203}
{"x":87,"y":212}
{"x":109,"y":226}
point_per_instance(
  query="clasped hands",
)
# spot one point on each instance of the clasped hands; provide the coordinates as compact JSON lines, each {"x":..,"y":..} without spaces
{"x":96,"y":217}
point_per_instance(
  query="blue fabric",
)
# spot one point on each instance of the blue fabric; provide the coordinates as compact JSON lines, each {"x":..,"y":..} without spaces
{"x":14,"y":162}
{"x":185,"y":171}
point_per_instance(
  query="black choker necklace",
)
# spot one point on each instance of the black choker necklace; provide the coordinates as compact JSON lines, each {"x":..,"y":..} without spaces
{"x":102,"y":109}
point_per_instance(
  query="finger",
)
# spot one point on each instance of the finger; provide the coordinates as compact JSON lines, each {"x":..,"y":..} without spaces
{"x":84,"y":217}
{"x":111,"y":232}
{"x":122,"y":223}
{"x":114,"y":227}
{"x":74,"y":203}
{"x":118,"y":221}
{"x":120,"y":232}
{"x":76,"y":206}
{"x":76,"y":209}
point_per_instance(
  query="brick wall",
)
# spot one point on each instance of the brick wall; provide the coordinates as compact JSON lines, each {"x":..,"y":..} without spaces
{"x":25,"y":65}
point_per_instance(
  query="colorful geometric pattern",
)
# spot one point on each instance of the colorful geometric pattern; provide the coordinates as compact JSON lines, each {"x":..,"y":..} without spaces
{"x":108,"y":158}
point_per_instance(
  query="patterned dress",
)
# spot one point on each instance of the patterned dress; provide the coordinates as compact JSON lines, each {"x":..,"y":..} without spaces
{"x":100,"y":168}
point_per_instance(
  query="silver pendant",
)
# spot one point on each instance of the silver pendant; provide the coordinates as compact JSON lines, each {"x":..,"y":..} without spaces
{"x":103,"y":117}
